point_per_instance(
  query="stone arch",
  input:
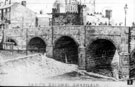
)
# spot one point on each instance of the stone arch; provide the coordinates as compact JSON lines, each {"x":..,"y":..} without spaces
{"x":106,"y":38}
{"x":36,"y":44}
{"x":100,"y":53}
{"x":12,"y":41}
{"x":65,"y":36}
{"x":66,"y":50}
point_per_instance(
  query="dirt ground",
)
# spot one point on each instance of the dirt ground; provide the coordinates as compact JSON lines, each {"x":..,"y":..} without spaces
{"x":38,"y":70}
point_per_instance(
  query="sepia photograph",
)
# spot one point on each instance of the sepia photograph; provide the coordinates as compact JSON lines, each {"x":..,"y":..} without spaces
{"x":67,"y":43}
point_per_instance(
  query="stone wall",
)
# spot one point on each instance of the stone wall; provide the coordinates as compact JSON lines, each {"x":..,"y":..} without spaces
{"x":21,"y":16}
{"x":132,"y":53}
{"x":118,"y":36}
{"x":66,"y":19}
{"x":83,"y":37}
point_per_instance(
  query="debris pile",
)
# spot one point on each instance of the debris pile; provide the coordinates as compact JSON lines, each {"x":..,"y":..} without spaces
{"x":104,"y":72}
{"x":32,"y":69}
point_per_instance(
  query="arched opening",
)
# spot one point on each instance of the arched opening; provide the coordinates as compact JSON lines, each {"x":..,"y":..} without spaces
{"x":132,"y":65}
{"x":36,"y":45}
{"x":100,"y":54}
{"x":9,"y":44}
{"x":11,"y":41}
{"x":66,"y":50}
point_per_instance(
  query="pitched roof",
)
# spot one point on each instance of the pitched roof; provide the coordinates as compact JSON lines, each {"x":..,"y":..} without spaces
{"x":12,"y":4}
{"x":8,"y":5}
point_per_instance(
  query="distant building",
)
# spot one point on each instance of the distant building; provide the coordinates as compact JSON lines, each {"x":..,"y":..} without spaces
{"x":64,"y":6}
{"x":71,"y":6}
{"x":90,"y":6}
{"x":43,"y":20}
{"x":73,"y":12}
{"x":96,"y":19}
{"x":91,"y":17}
{"x":67,"y":12}
{"x":17,"y":15}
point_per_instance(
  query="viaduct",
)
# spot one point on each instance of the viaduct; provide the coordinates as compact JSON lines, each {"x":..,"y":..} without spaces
{"x":92,"y":48}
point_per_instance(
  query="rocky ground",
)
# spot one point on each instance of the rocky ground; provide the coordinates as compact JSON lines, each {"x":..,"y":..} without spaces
{"x":31,"y":69}
{"x":39,"y":70}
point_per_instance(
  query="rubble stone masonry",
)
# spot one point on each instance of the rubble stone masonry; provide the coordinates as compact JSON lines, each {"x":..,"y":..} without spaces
{"x":83,"y":36}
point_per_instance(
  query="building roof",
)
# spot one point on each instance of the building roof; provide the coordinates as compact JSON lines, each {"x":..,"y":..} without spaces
{"x":8,"y":5}
{"x":12,"y":4}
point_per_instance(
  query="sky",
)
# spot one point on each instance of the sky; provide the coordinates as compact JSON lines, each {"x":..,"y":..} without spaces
{"x":117,"y":7}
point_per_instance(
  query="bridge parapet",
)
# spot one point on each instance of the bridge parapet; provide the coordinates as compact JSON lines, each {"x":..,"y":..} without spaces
{"x":40,"y":31}
{"x":74,"y":29}
{"x":106,"y":30}
{"x":29,"y":31}
{"x":68,"y":29}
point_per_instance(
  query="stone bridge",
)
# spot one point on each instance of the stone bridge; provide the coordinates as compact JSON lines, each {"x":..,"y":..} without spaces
{"x":93,"y":48}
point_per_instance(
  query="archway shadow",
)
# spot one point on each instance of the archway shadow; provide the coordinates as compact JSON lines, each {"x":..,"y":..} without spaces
{"x":66,"y":50}
{"x":36,"y":44}
{"x":99,"y":57}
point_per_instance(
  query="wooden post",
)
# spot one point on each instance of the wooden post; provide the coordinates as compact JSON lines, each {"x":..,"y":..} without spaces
{"x":26,"y":40}
{"x":66,"y":61}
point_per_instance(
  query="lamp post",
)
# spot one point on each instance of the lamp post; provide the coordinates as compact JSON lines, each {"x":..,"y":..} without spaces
{"x":125,"y":8}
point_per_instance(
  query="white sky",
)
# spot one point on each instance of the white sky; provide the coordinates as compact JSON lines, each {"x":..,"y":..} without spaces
{"x":116,"y":5}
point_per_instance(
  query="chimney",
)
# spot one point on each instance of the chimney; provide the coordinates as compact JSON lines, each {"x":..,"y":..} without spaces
{"x":58,"y":8}
{"x":23,"y":3}
{"x":108,"y":14}
{"x":41,"y":12}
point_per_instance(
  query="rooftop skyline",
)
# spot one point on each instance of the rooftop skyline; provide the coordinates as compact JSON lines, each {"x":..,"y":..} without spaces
{"x":117,"y":7}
